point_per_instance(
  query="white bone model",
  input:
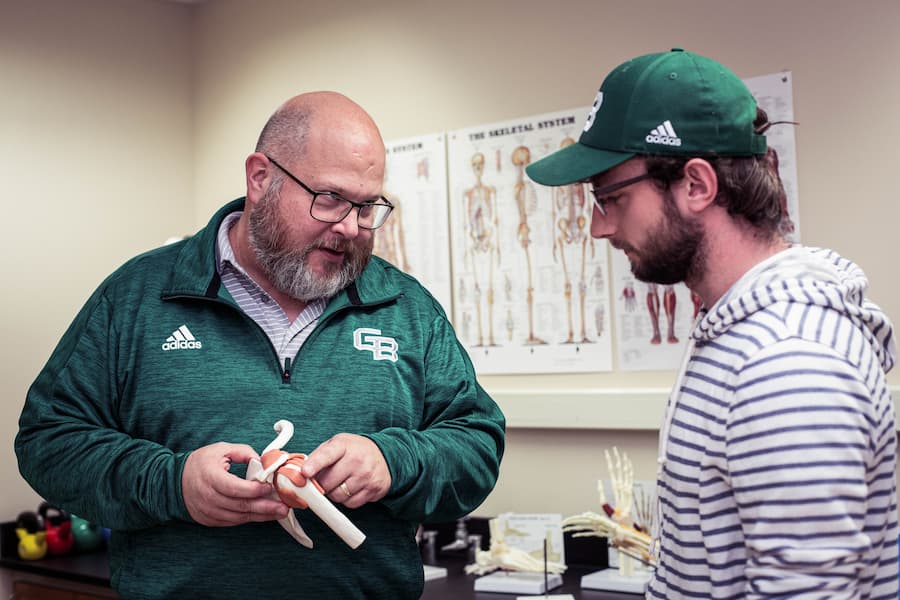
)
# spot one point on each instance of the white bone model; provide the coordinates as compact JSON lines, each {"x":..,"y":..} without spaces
{"x":282,"y":469}
{"x":503,"y":556}
{"x":617,"y":524}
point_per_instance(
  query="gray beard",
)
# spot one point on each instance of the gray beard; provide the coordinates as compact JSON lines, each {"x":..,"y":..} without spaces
{"x":287,"y":268}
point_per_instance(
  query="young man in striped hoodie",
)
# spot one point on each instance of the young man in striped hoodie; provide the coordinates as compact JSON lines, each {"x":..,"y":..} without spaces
{"x":778,"y":448}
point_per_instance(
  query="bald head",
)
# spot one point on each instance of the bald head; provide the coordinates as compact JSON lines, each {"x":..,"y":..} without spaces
{"x":287,"y":131}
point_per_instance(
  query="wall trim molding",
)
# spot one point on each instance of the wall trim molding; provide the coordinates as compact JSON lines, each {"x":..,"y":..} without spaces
{"x":627,"y":408}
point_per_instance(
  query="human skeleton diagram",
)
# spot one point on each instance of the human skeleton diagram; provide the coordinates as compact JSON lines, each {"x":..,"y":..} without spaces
{"x":571,"y":218}
{"x":669,"y":301}
{"x":389,"y":241}
{"x":526,"y":200}
{"x":697,"y":302}
{"x":629,"y":296}
{"x":422,"y":169}
{"x":482,"y":227}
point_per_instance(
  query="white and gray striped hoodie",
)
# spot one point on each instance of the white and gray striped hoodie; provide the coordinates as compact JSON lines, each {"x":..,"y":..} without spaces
{"x":778,"y":451}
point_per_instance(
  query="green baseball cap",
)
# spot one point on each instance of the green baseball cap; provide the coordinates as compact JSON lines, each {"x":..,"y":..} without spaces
{"x":669,"y":103}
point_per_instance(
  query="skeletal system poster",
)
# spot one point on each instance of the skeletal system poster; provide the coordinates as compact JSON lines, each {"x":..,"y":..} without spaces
{"x":530,"y":287}
{"x":416,"y":236}
{"x":652,"y":321}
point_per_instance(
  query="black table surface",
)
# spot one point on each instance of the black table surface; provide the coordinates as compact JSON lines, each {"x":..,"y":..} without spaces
{"x":93,"y":568}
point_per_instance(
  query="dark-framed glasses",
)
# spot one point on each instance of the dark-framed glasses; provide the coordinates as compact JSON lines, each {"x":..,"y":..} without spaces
{"x":330,"y":207}
{"x":602,"y":192}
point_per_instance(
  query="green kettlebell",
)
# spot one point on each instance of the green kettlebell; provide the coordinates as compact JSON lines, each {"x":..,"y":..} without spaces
{"x":88,"y":536}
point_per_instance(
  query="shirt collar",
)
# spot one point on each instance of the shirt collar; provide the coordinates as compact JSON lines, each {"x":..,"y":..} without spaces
{"x":224,"y":252}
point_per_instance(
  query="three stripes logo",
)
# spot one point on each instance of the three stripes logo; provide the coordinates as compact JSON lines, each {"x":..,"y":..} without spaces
{"x":182,"y":339}
{"x":663,"y":134}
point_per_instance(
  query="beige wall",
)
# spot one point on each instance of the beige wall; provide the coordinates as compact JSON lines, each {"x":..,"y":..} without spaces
{"x":419,"y":67}
{"x":95,"y":157}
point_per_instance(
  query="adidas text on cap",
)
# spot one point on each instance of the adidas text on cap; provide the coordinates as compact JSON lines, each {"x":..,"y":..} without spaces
{"x":669,"y":103}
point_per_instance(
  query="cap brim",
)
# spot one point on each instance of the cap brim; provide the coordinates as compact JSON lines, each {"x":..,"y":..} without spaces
{"x":574,"y":163}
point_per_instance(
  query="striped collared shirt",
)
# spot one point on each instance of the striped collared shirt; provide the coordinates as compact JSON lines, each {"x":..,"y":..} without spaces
{"x":286,"y":337}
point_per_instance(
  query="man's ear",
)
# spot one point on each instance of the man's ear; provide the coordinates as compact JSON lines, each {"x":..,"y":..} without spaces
{"x":258,"y":171}
{"x":701,"y":183}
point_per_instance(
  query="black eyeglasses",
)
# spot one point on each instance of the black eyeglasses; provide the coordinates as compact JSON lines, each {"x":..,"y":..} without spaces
{"x":329,"y":207}
{"x":600,"y":193}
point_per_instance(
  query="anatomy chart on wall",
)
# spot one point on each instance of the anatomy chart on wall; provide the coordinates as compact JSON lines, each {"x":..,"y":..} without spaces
{"x":416,"y":236}
{"x":652,"y":320}
{"x":530,"y":289}
{"x":774,"y":95}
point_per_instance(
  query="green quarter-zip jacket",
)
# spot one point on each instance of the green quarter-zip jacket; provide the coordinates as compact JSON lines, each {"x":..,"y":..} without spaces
{"x":161,"y":361}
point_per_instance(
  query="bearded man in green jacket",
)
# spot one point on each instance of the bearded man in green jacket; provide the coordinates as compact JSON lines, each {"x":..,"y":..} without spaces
{"x":171,"y":377}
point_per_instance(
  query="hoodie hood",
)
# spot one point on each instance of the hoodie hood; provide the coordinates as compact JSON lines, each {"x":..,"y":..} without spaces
{"x":811,"y":276}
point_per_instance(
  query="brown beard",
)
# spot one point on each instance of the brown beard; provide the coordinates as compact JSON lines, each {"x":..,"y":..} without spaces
{"x":674,"y":252}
